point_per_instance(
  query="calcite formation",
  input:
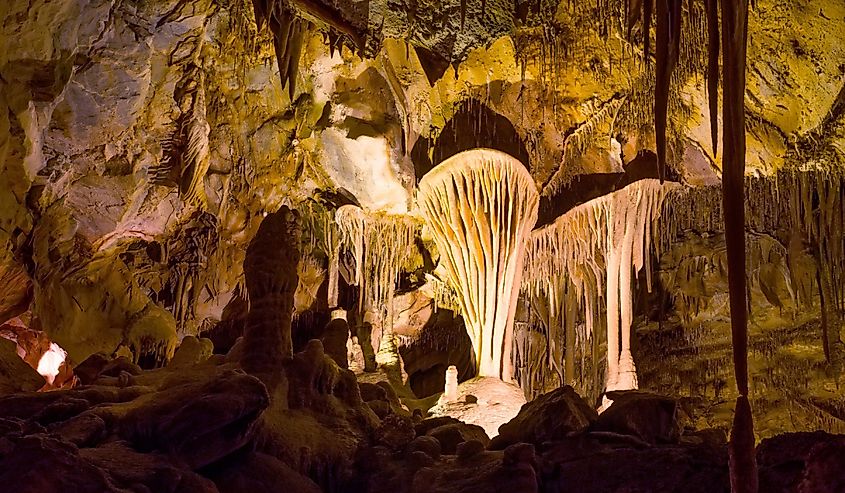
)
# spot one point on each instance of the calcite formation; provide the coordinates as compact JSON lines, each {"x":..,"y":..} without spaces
{"x":481,"y":206}
{"x":595,"y":248}
{"x":242,"y":242}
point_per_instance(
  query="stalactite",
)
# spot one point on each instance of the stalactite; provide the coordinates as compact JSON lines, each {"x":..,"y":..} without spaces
{"x":594,"y":247}
{"x":443,"y":295}
{"x":382,"y":245}
{"x":196,"y":161}
{"x":648,"y":5}
{"x":481,"y":206}
{"x":667,"y":49}
{"x":323,"y":236}
{"x":712,"y":8}
{"x":185,"y":158}
{"x":734,"y":40}
{"x":290,"y":30}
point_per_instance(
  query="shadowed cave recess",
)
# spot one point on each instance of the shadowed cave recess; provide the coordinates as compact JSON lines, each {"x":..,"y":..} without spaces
{"x":457,"y":246}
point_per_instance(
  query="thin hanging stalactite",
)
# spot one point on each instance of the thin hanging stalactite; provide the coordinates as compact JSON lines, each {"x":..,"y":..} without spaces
{"x":667,"y":49}
{"x":743,"y":465}
{"x":648,"y":5}
{"x":713,"y":69}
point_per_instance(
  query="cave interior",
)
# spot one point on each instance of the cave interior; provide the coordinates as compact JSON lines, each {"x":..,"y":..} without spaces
{"x":422,"y":246}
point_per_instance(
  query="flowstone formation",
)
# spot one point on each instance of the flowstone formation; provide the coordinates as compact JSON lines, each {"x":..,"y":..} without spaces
{"x":481,"y":206}
{"x":584,"y":260}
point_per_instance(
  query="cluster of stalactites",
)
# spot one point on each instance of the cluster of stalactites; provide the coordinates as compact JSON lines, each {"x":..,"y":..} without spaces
{"x":577,"y":243}
{"x":802,"y":211}
{"x":594,"y":248}
{"x":381,"y":245}
{"x":320,"y":223}
{"x":481,"y":206}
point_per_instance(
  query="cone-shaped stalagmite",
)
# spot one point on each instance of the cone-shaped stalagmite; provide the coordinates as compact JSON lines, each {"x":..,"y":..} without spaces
{"x":481,"y":206}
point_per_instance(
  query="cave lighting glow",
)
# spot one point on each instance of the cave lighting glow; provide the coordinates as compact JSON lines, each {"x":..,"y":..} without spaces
{"x":48,"y":365}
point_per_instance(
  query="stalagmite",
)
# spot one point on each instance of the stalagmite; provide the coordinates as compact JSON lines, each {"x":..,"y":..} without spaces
{"x":270,"y":269}
{"x":450,"y":394}
{"x":596,"y":246}
{"x":481,"y":206}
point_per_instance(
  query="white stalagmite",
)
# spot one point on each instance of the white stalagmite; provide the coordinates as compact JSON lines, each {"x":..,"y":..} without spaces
{"x":450,"y":392}
{"x":600,"y":242}
{"x":481,"y":206}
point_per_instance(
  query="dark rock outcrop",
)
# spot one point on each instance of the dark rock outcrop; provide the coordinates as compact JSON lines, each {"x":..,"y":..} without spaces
{"x":649,"y":417}
{"x":15,"y":374}
{"x":199,"y":423}
{"x":588,"y":463}
{"x":451,"y":432}
{"x":40,"y":464}
{"x":805,"y":462}
{"x":549,"y":417}
{"x":258,"y":473}
{"x":145,"y":472}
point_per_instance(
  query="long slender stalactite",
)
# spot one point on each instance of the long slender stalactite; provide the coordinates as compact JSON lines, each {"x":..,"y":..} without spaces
{"x":734,"y":40}
{"x":712,"y":13}
{"x":667,"y":50}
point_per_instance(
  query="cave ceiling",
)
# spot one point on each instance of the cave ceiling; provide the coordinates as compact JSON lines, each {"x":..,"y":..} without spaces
{"x":142,"y":138}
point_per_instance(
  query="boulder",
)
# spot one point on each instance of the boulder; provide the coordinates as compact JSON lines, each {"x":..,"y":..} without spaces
{"x":476,"y":471}
{"x":88,"y":371}
{"x":426,"y":444}
{"x":191,"y":351}
{"x":40,"y":464}
{"x":823,"y":468}
{"x":84,"y":430}
{"x":382,"y":399}
{"x":395,"y":432}
{"x":198,"y":422}
{"x":450,"y":433}
{"x":152,"y":472}
{"x":621,"y":467}
{"x":548,"y":417}
{"x":649,"y":417}
{"x":792,"y":459}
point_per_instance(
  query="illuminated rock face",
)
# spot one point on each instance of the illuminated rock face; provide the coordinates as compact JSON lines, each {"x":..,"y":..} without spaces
{"x":481,"y":206}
